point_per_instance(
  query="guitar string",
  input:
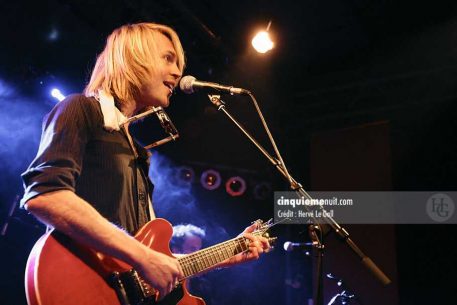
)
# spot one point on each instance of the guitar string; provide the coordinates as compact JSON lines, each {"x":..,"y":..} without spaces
{"x":196,"y":261}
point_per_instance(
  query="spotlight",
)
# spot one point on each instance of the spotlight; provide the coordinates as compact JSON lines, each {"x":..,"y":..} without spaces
{"x":262,"y":191}
{"x":210,"y":179}
{"x":185,"y":175}
{"x":57,"y":94}
{"x":235,"y":186}
{"x":262,"y":42}
{"x":53,"y":34}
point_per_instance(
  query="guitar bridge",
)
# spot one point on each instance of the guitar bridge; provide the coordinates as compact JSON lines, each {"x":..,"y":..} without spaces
{"x":131,"y":289}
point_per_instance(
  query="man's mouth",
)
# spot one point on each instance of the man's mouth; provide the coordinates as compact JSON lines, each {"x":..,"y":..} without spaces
{"x":170,"y":86}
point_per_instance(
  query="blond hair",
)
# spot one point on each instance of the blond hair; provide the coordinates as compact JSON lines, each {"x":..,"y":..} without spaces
{"x":130,"y":57}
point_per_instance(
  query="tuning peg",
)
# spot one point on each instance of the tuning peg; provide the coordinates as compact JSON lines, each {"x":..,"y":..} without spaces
{"x":259,"y":222}
{"x":272,"y":240}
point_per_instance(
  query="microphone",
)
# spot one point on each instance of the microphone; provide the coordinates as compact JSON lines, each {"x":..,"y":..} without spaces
{"x":290,"y":246}
{"x":190,"y":84}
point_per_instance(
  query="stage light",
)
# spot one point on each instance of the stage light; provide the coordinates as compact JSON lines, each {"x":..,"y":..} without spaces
{"x":57,"y":94}
{"x":53,"y":34}
{"x":210,"y":179}
{"x":185,"y":175}
{"x":262,"y":42}
{"x":235,"y":186}
{"x":262,"y":191}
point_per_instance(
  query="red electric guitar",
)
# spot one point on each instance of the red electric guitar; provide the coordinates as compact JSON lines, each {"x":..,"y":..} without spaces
{"x":62,"y":272}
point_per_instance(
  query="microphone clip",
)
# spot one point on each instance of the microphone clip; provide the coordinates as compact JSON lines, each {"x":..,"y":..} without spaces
{"x":216,"y":101}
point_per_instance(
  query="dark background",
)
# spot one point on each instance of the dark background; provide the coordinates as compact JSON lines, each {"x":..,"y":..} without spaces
{"x":336,"y":65}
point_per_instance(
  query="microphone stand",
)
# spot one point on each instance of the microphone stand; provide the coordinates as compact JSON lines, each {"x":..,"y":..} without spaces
{"x":318,"y":253}
{"x":278,"y":163}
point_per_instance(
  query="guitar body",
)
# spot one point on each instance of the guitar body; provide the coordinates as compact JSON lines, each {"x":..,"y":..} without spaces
{"x":61,"y":271}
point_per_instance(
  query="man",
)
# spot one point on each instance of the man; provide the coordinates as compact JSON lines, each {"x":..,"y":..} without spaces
{"x":89,"y":178}
{"x":187,"y":238}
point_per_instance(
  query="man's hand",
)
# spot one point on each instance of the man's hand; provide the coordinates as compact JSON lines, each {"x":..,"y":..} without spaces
{"x":160,"y":271}
{"x":257,"y":246}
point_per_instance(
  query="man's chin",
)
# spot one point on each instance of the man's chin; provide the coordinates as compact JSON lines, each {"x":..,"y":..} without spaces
{"x":165,"y":104}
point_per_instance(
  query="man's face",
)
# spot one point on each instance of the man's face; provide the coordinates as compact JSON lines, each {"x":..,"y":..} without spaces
{"x":157,"y":90}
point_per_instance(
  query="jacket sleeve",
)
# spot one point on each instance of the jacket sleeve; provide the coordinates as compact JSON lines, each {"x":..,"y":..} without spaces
{"x":58,"y":163}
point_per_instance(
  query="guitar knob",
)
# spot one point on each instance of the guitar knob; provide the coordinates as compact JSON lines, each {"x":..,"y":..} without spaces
{"x":259,"y":222}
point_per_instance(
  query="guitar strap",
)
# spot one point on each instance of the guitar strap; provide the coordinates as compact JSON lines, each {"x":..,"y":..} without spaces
{"x":152,"y":215}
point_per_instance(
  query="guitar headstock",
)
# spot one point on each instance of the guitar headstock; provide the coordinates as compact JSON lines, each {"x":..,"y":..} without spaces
{"x":262,"y":229}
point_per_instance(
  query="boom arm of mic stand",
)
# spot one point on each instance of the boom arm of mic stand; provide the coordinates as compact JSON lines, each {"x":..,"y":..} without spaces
{"x":297,"y":187}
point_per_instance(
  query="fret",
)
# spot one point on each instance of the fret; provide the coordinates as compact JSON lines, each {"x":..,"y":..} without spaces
{"x":232,"y":247}
{"x":244,"y":245}
{"x":184,"y":265}
{"x":194,"y":266}
{"x":241,"y":245}
{"x":227,"y":250}
{"x":187,"y":266}
{"x":207,"y":261}
{"x":206,"y":258}
{"x":204,"y":261}
{"x":238,"y":247}
{"x":216,"y":259}
{"x":186,"y":270}
{"x":216,"y":252}
{"x":212,"y":259}
{"x":198,"y":263}
{"x":217,"y":255}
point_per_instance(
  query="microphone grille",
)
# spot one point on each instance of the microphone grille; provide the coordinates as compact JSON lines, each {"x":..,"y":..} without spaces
{"x":186,"y":84}
{"x":288,"y":246}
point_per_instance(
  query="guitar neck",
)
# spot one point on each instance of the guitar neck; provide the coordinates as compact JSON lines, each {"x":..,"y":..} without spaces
{"x":199,"y":261}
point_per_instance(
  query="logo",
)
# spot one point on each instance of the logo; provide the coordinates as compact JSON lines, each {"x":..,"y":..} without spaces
{"x":440,"y":207}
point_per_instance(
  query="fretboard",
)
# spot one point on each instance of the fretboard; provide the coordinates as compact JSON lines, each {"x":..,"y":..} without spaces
{"x":206,"y":258}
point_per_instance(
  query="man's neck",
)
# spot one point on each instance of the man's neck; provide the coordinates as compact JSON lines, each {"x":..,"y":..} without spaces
{"x":129,"y":108}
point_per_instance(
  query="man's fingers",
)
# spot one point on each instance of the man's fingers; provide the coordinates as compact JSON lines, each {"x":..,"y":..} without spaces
{"x":251,"y":228}
{"x":254,"y":253}
{"x":166,"y":290}
{"x":265,"y":243}
{"x":162,"y":293}
{"x":259,"y":241}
